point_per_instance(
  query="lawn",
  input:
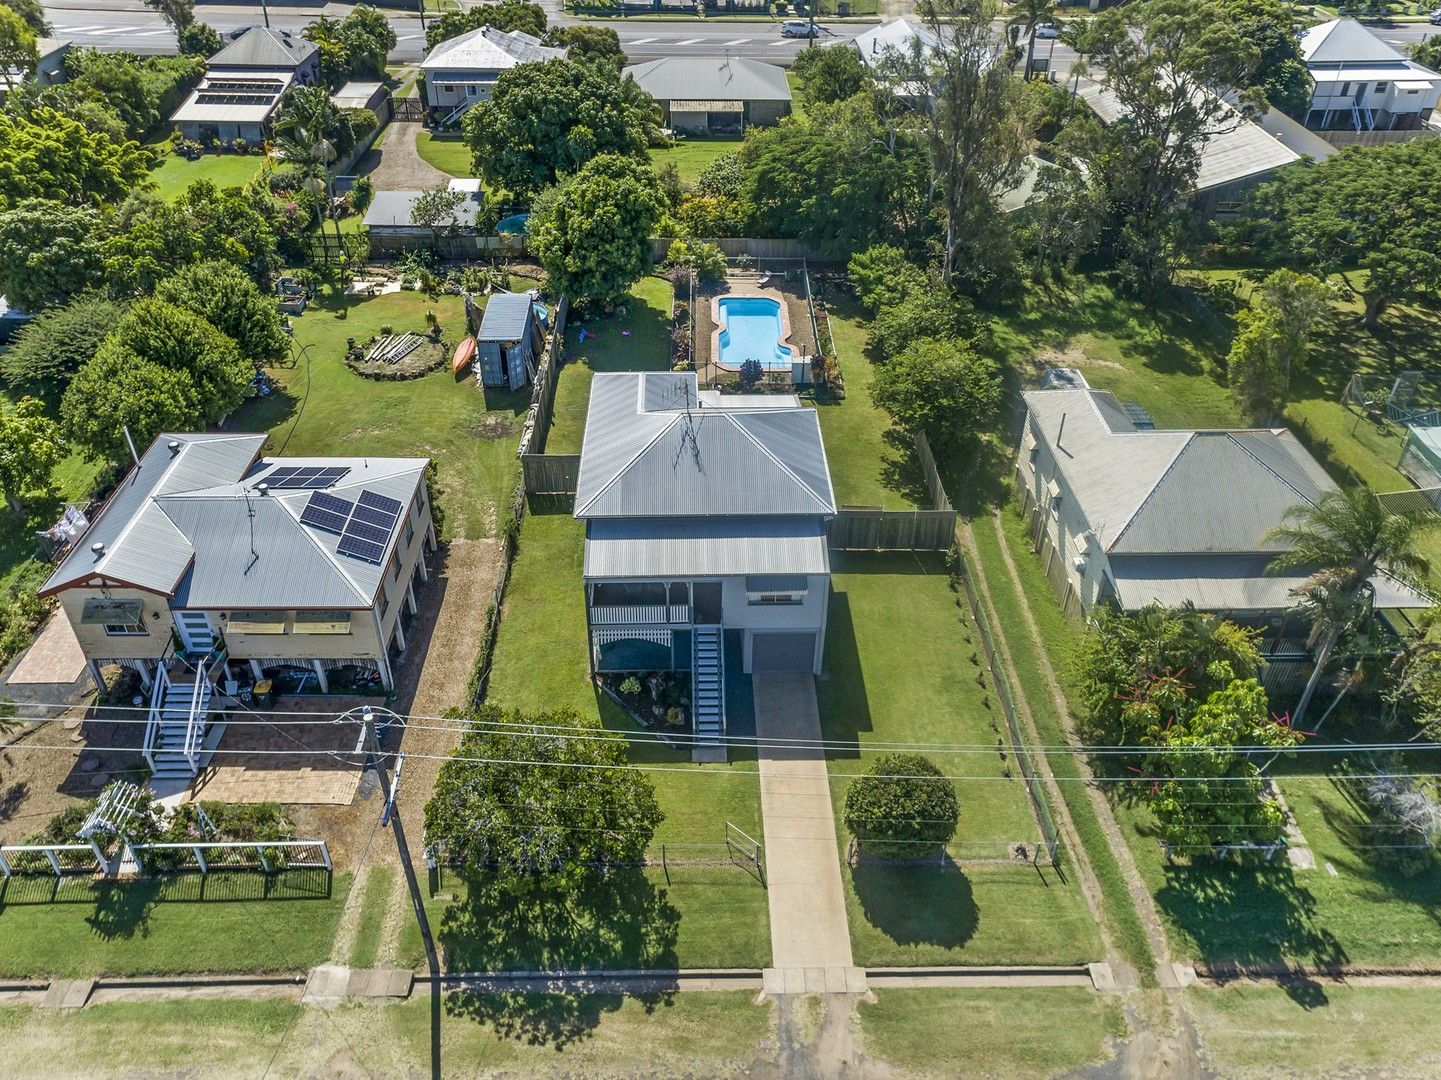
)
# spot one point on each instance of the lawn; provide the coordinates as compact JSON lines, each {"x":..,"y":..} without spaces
{"x":174,"y":173}
{"x":366,"y":946}
{"x":226,"y":923}
{"x":1028,"y":1031}
{"x":901,"y":666}
{"x":449,"y":155}
{"x":691,"y":156}
{"x":322,"y":407}
{"x":639,"y":340}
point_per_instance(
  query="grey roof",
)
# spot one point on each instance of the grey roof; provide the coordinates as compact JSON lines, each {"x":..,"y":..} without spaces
{"x":392,"y":209}
{"x":688,"y":547}
{"x":696,"y":78}
{"x":262,"y":92}
{"x":1236,"y":583}
{"x":1296,"y":137}
{"x":1345,"y":41}
{"x":358,"y":95}
{"x":487,"y":49}
{"x":506,"y":317}
{"x":898,"y":37}
{"x":189,"y":526}
{"x":645,"y":454}
{"x":264,"y":47}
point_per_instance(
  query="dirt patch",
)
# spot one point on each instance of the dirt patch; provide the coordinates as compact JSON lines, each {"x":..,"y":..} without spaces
{"x":494,"y":426}
{"x":1072,"y":356}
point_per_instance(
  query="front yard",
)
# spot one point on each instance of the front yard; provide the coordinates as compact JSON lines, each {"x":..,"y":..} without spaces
{"x":175,"y":173}
{"x":449,"y":155}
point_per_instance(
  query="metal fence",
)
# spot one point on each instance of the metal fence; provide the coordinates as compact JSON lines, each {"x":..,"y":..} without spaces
{"x":1034,"y":787}
{"x":205,"y":857}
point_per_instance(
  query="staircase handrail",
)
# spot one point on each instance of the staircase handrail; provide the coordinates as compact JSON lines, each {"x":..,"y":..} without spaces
{"x":157,"y":703}
{"x":195,"y":707}
{"x":460,"y":110}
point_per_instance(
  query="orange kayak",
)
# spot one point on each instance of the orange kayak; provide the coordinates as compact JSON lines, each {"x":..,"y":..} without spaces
{"x":464,"y":354}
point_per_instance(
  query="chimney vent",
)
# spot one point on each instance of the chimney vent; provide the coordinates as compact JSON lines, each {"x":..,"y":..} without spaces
{"x":98,"y":548}
{"x":174,"y":446}
{"x":263,"y":489}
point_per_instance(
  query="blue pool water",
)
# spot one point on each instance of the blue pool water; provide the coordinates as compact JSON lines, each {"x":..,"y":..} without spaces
{"x":751,"y":330}
{"x":513,"y":224}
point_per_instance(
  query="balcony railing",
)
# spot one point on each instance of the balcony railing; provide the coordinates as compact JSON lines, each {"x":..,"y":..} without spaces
{"x":639,"y":614}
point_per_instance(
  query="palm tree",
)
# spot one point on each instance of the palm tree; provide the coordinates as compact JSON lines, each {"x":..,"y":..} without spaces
{"x":1028,"y":14}
{"x":306,"y":114}
{"x":1345,"y":538}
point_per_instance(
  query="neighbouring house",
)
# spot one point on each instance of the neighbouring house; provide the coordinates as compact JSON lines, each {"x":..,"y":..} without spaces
{"x":1362,"y":83}
{"x":49,"y":67}
{"x":212,"y":567}
{"x":243,"y":85}
{"x":461,"y":71}
{"x":714,"y":95}
{"x":705,"y":527}
{"x":1125,"y":513}
{"x":897,"y":38}
{"x":509,"y":341}
{"x":389,"y":221}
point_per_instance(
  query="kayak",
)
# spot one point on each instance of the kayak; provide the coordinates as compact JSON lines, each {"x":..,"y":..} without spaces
{"x":464,"y":353}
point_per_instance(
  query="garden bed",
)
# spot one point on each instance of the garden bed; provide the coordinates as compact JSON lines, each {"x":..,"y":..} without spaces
{"x":407,"y":355}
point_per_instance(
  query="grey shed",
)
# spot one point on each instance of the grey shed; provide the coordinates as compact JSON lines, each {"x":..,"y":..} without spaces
{"x":508,"y":341}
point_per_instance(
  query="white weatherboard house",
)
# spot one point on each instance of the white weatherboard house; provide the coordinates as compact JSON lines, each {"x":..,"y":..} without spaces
{"x":705,"y":517}
{"x":1362,"y":83}
{"x":1127,"y":514}
{"x":461,"y":71}
{"x":212,"y":565}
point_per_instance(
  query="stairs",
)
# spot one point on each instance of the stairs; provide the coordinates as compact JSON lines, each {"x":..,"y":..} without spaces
{"x":708,"y":686}
{"x":460,"y":110}
{"x":178,"y":714}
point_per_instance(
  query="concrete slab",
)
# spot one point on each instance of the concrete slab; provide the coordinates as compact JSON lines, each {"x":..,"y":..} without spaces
{"x":67,"y":994}
{"x":814,"y":980}
{"x":1185,"y":974}
{"x":707,"y":755}
{"x":370,"y":984}
{"x":326,"y":988}
{"x":1102,"y":978}
{"x":53,"y":659}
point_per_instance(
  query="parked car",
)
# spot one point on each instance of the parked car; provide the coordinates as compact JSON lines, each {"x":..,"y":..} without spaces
{"x":1436,"y":17}
{"x":1048,"y":30}
{"x":801,"y":28}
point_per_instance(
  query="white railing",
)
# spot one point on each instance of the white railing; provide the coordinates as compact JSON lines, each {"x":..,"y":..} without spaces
{"x":198,"y":709}
{"x":157,"y":706}
{"x":207,"y":856}
{"x":460,"y":110}
{"x":53,"y":854}
{"x":636,"y":614}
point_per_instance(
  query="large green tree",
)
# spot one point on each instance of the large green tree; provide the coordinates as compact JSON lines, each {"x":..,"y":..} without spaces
{"x":830,"y":74}
{"x":33,"y":12}
{"x":547,"y":119}
{"x":116,"y":390}
{"x":17,"y":49}
{"x":48,"y":252}
{"x":592,"y":44}
{"x":30,"y":448}
{"x":1274,"y":339}
{"x":178,"y":14}
{"x":353,"y":47}
{"x":592,"y":232}
{"x":941,"y":387}
{"x":50,"y":156}
{"x":905,"y":808}
{"x":1280,"y":72}
{"x":54,"y":345}
{"x":507,"y":16}
{"x":226,"y":297}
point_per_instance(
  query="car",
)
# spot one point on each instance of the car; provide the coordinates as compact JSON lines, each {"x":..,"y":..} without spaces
{"x":1048,"y":30}
{"x":1435,"y":17}
{"x":802,"y":28}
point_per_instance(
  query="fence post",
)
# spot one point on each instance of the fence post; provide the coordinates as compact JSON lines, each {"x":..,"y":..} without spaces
{"x":4,"y":866}
{"x":54,"y":862}
{"x":260,"y":851}
{"x":200,"y":858}
{"x":325,"y":855}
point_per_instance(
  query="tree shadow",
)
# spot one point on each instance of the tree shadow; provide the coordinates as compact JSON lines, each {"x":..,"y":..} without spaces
{"x":900,"y":469}
{"x":591,"y":922}
{"x":12,"y":799}
{"x":918,"y":905}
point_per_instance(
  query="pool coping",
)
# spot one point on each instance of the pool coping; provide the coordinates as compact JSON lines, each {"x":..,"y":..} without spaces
{"x":758,"y":292}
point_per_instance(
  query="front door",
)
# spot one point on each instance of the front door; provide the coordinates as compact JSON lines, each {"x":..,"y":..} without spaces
{"x":196,"y":633}
{"x":707,"y":603}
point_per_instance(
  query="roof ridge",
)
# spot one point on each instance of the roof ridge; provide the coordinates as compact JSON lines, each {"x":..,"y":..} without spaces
{"x":825,"y":507}
{"x":1256,"y":458}
{"x":1131,"y":520}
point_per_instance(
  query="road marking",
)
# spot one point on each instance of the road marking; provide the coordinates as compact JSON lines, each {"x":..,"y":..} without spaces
{"x":407,"y":37}
{"x":642,"y":41}
{"x":737,"y":41}
{"x":152,"y":33}
{"x":691,"y":41}
{"x":786,"y":44}
{"x":118,"y":29}
{"x":79,"y":29}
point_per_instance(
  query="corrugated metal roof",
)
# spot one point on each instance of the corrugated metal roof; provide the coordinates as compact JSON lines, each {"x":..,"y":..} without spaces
{"x":1344,"y":41}
{"x":646,"y":455}
{"x":702,"y":547}
{"x":899,"y":36}
{"x":487,"y":49}
{"x":696,"y":78}
{"x":1235,"y":582}
{"x":392,"y":209}
{"x":506,"y":317}
{"x":263,"y":47}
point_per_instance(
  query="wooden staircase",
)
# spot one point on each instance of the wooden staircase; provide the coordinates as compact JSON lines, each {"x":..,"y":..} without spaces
{"x":708,"y":687}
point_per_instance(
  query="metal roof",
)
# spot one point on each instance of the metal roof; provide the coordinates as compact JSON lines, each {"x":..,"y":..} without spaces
{"x":1344,"y":41}
{"x":896,"y":37}
{"x":223,"y":96}
{"x":691,"y":547}
{"x":506,"y":317}
{"x":194,"y":526}
{"x":1233,"y":582}
{"x":359,"y":95}
{"x":724,"y":79}
{"x":651,"y":449}
{"x":487,"y":49}
{"x":263,"y":47}
{"x":392,"y":209}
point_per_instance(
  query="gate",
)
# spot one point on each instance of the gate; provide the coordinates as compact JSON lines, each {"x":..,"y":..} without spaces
{"x":746,"y":848}
{"x":409,"y":110}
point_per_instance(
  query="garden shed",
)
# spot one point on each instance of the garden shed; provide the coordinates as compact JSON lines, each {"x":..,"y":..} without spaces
{"x":509,"y":340}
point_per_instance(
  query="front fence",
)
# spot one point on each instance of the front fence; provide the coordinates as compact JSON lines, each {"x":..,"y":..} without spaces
{"x":267,"y":856}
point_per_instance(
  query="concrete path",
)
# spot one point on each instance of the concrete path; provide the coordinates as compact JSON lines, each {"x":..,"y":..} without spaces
{"x":810,"y":940}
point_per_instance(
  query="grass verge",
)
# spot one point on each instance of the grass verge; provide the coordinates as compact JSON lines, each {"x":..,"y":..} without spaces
{"x":366,"y":946}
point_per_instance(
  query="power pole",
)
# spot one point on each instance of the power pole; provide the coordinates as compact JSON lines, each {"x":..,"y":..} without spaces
{"x":421,"y":5}
{"x":265,"y":11}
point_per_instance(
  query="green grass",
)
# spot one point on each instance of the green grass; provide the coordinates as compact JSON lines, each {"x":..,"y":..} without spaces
{"x":692,"y":155}
{"x":366,"y":946}
{"x":325,"y":408}
{"x":986,"y":1033}
{"x":174,"y":173}
{"x":228,"y":922}
{"x":637,"y":341}
{"x":902,"y":666}
{"x":449,"y":155}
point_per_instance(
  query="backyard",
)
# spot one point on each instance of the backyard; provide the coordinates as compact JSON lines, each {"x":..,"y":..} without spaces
{"x":175,"y":173}
{"x":692,"y":155}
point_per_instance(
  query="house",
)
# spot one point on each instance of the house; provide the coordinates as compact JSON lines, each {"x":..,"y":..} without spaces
{"x":389,"y":220}
{"x":212,"y":566}
{"x":1128,"y":514}
{"x":899,"y":38}
{"x":461,"y":71}
{"x":509,"y":341}
{"x":49,"y":66}
{"x":1361,"y":82}
{"x":714,"y":95}
{"x":705,"y":532}
{"x":243,"y":85}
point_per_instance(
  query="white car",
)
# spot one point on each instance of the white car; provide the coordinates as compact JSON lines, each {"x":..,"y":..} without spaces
{"x":1048,"y":30}
{"x":800,"y":28}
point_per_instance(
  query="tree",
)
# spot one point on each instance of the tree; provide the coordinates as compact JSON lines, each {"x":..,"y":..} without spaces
{"x":1428,"y":52}
{"x":367,"y":38}
{"x":49,"y":251}
{"x":50,"y":156}
{"x":830,"y":74}
{"x":18,"y":55}
{"x":115,"y":390}
{"x":1280,"y":72}
{"x":160,"y":333}
{"x":591,"y":44}
{"x":884,"y":276}
{"x":928,"y":310}
{"x":334,"y":58}
{"x":1275,"y":339}
{"x":548,"y":119}
{"x":1346,"y":537}
{"x":1162,"y":59}
{"x":1060,"y":222}
{"x":1208,"y":794}
{"x":943,"y":388}
{"x":1376,"y":209}
{"x":506,"y":16}
{"x":140,"y":90}
{"x":33,"y":12}
{"x":199,"y":39}
{"x":519,"y":800}
{"x":436,"y":209}
{"x":227,"y":298}
{"x":177,"y":13}
{"x":54,"y":345}
{"x":904,"y":809}
{"x":1027,"y":15}
{"x":30,"y":448}
{"x":592,"y":232}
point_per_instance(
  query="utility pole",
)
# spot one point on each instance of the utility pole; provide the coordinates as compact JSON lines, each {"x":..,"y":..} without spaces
{"x":421,"y":5}
{"x":265,"y":11}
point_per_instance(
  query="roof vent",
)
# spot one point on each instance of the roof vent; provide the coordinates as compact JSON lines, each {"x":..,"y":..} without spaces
{"x":174,"y":446}
{"x":98,"y":548}
{"x":263,"y":489}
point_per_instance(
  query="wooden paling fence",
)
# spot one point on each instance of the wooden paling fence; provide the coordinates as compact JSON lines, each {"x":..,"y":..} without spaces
{"x":874,"y":529}
{"x":550,"y":474}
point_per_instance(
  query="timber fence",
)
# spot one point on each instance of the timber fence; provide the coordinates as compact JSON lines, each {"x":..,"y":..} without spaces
{"x":874,"y":529}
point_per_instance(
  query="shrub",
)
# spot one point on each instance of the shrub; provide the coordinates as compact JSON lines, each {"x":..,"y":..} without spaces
{"x":883,"y":276}
{"x":707,"y":260}
{"x":905,"y":808}
{"x":928,"y":311}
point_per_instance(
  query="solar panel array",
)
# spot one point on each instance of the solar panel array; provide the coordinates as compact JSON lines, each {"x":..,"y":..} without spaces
{"x":364,"y":526}
{"x":206,"y":98}
{"x":248,"y":86}
{"x":309,"y":477}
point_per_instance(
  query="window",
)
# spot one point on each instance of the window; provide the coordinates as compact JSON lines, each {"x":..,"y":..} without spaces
{"x":472,"y":90}
{"x":384,"y":601}
{"x":259,"y":622}
{"x":771,"y":590}
{"x":395,"y":566}
{"x":120,"y":618}
{"x":1412,"y":93}
{"x":1345,"y":89}
{"x":126,"y":629}
{"x":322,"y":622}
{"x":409,"y":532}
{"x":448,"y":89}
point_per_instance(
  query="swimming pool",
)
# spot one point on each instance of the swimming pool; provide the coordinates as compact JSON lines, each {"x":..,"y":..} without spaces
{"x":750,"y":328}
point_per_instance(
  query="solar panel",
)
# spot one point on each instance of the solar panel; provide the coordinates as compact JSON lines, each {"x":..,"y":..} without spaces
{"x":380,"y":502}
{"x":373,"y":533}
{"x":326,"y":501}
{"x":359,"y":548}
{"x":374,"y":517}
{"x":308,"y":477}
{"x":323,"y":519}
{"x":329,"y":475}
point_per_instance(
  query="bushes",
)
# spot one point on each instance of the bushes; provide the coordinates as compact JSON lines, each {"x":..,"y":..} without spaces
{"x":905,"y":808}
{"x":23,"y":610}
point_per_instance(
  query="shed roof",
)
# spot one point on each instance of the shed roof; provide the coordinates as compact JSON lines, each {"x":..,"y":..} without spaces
{"x":392,"y":209}
{"x":264,"y":47}
{"x":488,"y":49}
{"x":719,"y":79}
{"x":652,"y":449}
{"x":506,"y":317}
{"x":358,"y":95}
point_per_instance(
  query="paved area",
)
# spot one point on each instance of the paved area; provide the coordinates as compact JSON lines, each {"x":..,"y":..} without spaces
{"x":810,"y":940}
{"x":53,"y":660}
{"x":394,"y":165}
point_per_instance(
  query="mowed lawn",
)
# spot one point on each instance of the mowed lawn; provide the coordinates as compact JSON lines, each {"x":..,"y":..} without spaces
{"x":692,"y":155}
{"x":902,"y":665}
{"x":449,"y":155}
{"x":229,"y":922}
{"x":325,"y":408}
{"x":175,"y":173}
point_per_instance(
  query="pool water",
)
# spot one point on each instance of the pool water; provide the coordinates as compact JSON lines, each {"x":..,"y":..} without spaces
{"x":750,"y":329}
{"x":514,"y":224}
